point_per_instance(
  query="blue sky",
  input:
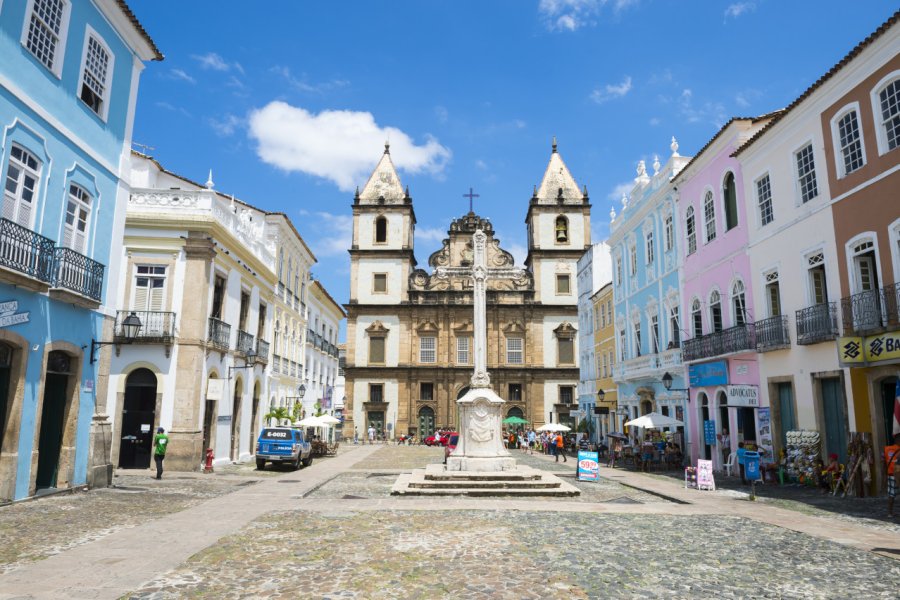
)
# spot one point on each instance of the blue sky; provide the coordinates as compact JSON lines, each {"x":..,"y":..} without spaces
{"x":290,"y":102}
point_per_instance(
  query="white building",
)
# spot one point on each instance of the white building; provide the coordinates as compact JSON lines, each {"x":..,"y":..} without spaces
{"x":321,"y":365}
{"x":594,"y":271}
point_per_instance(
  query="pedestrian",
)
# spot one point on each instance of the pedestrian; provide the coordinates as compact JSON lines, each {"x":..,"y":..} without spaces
{"x":160,"y":441}
{"x":560,"y":447}
{"x":371,"y":434}
{"x":740,"y":457}
{"x":891,"y":457}
{"x":532,"y":440}
{"x":356,"y":436}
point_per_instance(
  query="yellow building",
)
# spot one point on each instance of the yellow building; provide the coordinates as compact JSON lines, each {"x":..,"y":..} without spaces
{"x":605,"y":355}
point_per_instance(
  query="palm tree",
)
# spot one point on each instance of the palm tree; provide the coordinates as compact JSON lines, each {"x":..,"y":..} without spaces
{"x":278,"y":414}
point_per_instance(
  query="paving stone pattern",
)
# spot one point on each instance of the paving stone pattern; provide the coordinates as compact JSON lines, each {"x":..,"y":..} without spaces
{"x":508,"y":554}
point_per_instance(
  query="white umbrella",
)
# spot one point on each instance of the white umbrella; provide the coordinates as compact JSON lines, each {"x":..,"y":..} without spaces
{"x":309,"y":422}
{"x":654,"y":420}
{"x":328,"y":420}
{"x":554,"y":427}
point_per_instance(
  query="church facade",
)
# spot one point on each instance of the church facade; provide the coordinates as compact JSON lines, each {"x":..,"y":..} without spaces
{"x":410,"y":350}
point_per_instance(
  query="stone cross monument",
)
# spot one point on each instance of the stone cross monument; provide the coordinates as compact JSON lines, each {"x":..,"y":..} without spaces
{"x":480,"y":446}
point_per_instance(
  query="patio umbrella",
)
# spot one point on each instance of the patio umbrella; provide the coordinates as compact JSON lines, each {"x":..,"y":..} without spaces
{"x":620,"y":436}
{"x":328,"y":420}
{"x":514,"y":421}
{"x":654,"y":420}
{"x":554,"y":427}
{"x":309,"y":422}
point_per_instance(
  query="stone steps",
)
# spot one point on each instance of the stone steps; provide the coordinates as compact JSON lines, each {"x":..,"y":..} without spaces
{"x":523,"y":482}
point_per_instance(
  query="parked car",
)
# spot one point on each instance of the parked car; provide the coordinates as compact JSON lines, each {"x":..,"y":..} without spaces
{"x":283,"y":445}
{"x":450,"y":446}
{"x":432,"y":440}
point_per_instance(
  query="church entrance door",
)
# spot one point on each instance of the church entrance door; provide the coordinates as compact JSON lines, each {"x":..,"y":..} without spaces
{"x":426,"y":422}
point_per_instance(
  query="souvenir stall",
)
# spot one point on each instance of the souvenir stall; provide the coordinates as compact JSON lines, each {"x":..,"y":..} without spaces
{"x":801,"y":459}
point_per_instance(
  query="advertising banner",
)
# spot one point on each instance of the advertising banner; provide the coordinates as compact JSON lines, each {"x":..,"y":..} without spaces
{"x":705,"y":479}
{"x":764,"y":422}
{"x":873,"y":349}
{"x":588,"y":466}
{"x":709,"y":432}
{"x":707,"y":374}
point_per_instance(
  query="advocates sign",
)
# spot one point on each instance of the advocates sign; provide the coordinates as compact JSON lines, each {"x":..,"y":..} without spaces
{"x":743,"y":395}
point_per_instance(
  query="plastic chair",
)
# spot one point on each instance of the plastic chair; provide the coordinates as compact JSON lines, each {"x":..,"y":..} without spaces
{"x":731,"y":466}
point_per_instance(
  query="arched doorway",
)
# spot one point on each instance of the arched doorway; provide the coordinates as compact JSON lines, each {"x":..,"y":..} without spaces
{"x":254,"y":415}
{"x":54,"y":413}
{"x":235,"y":419}
{"x":426,"y":422}
{"x":646,"y":407}
{"x":6,"y":401}
{"x":138,"y":420}
{"x":209,"y":415}
{"x":722,"y":403}
{"x":515,"y":411}
{"x":703,"y":403}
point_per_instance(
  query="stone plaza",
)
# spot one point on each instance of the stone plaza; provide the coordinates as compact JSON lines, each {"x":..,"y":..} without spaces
{"x":334,"y":531}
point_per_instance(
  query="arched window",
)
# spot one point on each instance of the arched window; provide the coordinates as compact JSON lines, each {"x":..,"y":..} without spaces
{"x":23,"y":174}
{"x":739,"y":303}
{"x":515,"y":411}
{"x":709,"y":216}
{"x":715,"y":311}
{"x":729,"y":193}
{"x":381,"y":230}
{"x":697,"y":318}
{"x":889,"y":105}
{"x":691,"y":229}
{"x":562,"y":229}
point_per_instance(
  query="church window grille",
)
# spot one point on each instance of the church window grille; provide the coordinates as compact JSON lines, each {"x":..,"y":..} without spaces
{"x":514,"y":351}
{"x":426,"y":391}
{"x":462,"y":350}
{"x":376,"y":392}
{"x":566,"y":394}
{"x":515,"y":392}
{"x":379,"y":283}
{"x":427,"y":349}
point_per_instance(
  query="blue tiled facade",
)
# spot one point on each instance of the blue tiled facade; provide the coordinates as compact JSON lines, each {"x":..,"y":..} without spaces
{"x":60,"y":151}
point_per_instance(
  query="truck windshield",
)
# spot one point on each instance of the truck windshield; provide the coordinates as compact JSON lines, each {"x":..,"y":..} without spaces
{"x":275,"y":434}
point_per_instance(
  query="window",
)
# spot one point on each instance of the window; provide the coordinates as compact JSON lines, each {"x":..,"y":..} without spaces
{"x":817,"y":282}
{"x":729,"y":193}
{"x":78,"y":208}
{"x":22,"y":178}
{"x":654,"y":334}
{"x":621,"y":344}
{"x":709,"y":216}
{"x":95,"y":73}
{"x":637,"y":338}
{"x":649,"y":243}
{"x":218,"y":297}
{"x":376,"y":392}
{"x":562,"y":230}
{"x":889,"y":103}
{"x":670,"y":232}
{"x":566,"y":394}
{"x":715,"y":311}
{"x":46,"y":30}
{"x":515,"y":392}
{"x":376,"y":350}
{"x":514,"y":354}
{"x":619,"y":270}
{"x":562,"y":284}
{"x":462,"y":350}
{"x":427,"y":349}
{"x":381,"y":230}
{"x":245,"y":308}
{"x":426,"y":391}
{"x":697,"y":318}
{"x":632,"y":260}
{"x":806,"y":173}
{"x":602,"y":315}
{"x":773,"y":294}
{"x":379,"y":283}
{"x":566,"y":348}
{"x":764,"y":200}
{"x":691,"y":228}
{"x":674,"y":325}
{"x":739,"y":303}
{"x":149,"y":288}
{"x":850,"y":142}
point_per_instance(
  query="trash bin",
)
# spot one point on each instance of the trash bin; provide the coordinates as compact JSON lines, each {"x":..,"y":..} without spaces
{"x":751,"y":466}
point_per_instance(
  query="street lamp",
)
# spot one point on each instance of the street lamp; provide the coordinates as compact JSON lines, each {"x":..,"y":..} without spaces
{"x":249,"y":361}
{"x":131,"y":326}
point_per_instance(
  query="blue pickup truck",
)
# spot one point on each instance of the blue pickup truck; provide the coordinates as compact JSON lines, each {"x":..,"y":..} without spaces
{"x":283,"y":445}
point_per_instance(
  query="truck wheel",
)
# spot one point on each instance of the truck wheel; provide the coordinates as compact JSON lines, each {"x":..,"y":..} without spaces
{"x":308,"y":461}
{"x":260,"y":465}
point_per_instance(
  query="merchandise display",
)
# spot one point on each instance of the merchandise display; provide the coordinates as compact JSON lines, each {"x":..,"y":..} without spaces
{"x":801,"y":455}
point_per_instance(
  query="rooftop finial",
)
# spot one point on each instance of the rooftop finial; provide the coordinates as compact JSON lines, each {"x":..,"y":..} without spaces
{"x":612,"y":213}
{"x":554,"y":144}
{"x":624,"y":201}
{"x":655,"y":164}
{"x":387,"y":146}
{"x":674,"y":146}
{"x":209,"y":181}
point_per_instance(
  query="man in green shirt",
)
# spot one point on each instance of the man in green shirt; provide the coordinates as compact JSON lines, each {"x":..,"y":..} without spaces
{"x":160,"y":441}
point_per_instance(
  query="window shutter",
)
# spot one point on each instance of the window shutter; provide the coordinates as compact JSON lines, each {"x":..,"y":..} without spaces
{"x":157,"y":298}
{"x":140,"y":298}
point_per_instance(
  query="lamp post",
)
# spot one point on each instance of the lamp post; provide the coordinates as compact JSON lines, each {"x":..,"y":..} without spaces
{"x":601,"y":395}
{"x":131,"y":326}
{"x":249,"y":362}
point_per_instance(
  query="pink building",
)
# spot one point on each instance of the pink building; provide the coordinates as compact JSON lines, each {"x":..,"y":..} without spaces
{"x":719,"y":329}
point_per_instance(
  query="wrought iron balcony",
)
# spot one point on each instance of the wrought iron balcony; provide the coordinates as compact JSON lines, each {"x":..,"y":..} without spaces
{"x":727,"y":341}
{"x":77,"y":273}
{"x":817,"y":323}
{"x":219,"y":333}
{"x":773,"y":334}
{"x":157,"y":327}
{"x":871,"y":311}
{"x":262,"y":351}
{"x":25,"y":251}
{"x":244,"y":342}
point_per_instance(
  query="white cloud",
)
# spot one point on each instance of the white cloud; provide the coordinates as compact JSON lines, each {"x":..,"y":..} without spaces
{"x":746,"y":98}
{"x":441,"y":113}
{"x":173,"y":108}
{"x":571,"y":15}
{"x":430,"y":234}
{"x":212,"y":61}
{"x":181,"y":76}
{"x":620,"y":190}
{"x":708,"y":112}
{"x":654,"y":121}
{"x":225,"y":126}
{"x":739,"y":8}
{"x":612,"y":91}
{"x":334,"y":233}
{"x":339,"y":145}
{"x":302,"y":83}
{"x":481,"y":165}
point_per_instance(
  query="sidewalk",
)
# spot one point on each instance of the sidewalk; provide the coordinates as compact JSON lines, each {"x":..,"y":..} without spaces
{"x":121,"y":562}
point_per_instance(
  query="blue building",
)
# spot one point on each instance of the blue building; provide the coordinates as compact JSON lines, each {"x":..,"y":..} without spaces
{"x":646,"y":292}
{"x":69,"y":73}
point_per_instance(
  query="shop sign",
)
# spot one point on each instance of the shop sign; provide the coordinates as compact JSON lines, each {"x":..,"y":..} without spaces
{"x":588,"y":466}
{"x":861,"y":351}
{"x":743,"y":395}
{"x":223,"y":419}
{"x":705,"y":477}
{"x":214,"y":389}
{"x":707,"y":374}
{"x":764,"y":422}
{"x":9,"y":316}
{"x":709,"y":432}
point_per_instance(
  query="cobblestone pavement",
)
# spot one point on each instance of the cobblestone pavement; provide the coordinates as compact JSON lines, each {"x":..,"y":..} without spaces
{"x":508,"y":554}
{"x":35,"y":530}
{"x":401,"y":457}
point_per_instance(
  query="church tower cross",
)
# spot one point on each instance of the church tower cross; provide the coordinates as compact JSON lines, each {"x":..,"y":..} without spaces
{"x":471,"y":195}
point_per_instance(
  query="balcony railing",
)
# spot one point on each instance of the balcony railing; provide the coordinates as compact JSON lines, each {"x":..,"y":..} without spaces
{"x":219,"y":333}
{"x":772,"y":334}
{"x":157,"y":327}
{"x":244,"y":342}
{"x":25,"y":251}
{"x":727,"y":341}
{"x":817,"y":323}
{"x":871,"y":311}
{"x":77,"y":273}
{"x":262,"y":351}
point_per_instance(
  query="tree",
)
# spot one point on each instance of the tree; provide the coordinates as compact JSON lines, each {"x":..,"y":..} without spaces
{"x":277,"y":414}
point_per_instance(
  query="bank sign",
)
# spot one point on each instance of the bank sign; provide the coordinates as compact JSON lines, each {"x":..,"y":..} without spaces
{"x":743,"y":395}
{"x":872,"y":349}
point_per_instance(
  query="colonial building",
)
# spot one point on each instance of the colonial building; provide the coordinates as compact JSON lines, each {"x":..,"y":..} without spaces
{"x":594,"y":272}
{"x":409,"y":331}
{"x":605,"y":355}
{"x":645,"y":247}
{"x":68,"y":87}
{"x":321,"y":366}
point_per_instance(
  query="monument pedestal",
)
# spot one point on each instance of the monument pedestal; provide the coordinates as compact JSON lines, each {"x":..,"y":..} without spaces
{"x":480,"y":447}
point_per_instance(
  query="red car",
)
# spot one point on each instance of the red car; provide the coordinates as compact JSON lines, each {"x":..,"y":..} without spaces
{"x":450,"y":445}
{"x":432,"y":440}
